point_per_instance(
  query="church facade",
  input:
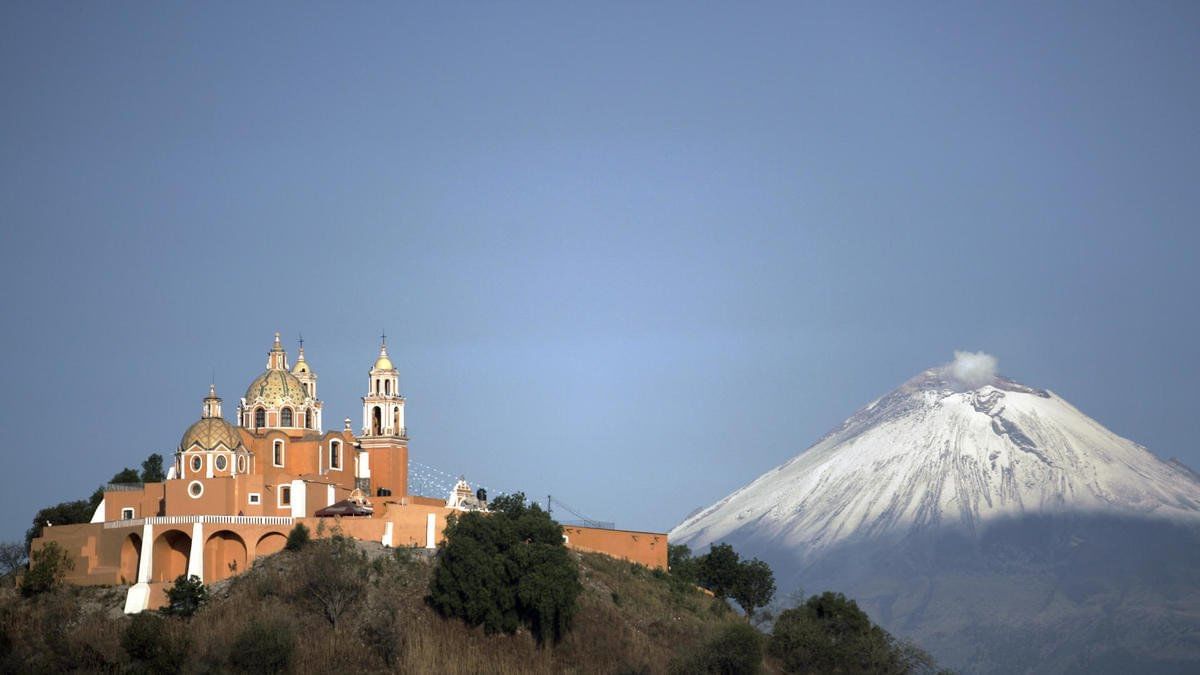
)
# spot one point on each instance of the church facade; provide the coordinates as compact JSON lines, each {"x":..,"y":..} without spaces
{"x":234,"y":491}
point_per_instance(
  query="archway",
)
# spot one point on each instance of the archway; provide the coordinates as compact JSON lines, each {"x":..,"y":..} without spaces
{"x":131,"y":558}
{"x":396,"y":421}
{"x":224,"y":556}
{"x":376,"y":421}
{"x":271,"y":542}
{"x":171,"y":552}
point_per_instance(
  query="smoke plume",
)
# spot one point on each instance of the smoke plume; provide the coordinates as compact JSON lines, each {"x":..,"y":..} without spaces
{"x":973,"y":369}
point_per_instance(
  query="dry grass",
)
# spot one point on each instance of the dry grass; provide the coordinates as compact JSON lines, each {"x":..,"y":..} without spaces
{"x":630,"y":620}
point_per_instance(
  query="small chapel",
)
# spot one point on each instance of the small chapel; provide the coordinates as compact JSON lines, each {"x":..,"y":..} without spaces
{"x":234,"y":490}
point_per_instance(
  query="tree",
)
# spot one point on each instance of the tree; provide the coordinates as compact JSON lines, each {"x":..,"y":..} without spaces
{"x":755,"y":586}
{"x":507,"y":568}
{"x":298,"y":538}
{"x":719,"y":569}
{"x":332,"y":576}
{"x":681,"y":564}
{"x":126,"y":476}
{"x":830,"y":634}
{"x":48,"y":566}
{"x":187,"y":595}
{"x":152,"y":469}
{"x":12,"y":557}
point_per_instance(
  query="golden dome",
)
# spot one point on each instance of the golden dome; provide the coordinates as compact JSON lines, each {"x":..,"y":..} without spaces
{"x":383,"y":362}
{"x":211,"y":433}
{"x":273,"y":386}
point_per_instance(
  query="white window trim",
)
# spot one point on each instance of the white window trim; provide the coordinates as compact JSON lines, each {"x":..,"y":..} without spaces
{"x":254,"y":498}
{"x":217,"y":462}
{"x":335,"y":456}
{"x":279,"y":496}
{"x":282,"y":453}
{"x":198,"y":494}
{"x":127,"y":510}
{"x":191,"y":463}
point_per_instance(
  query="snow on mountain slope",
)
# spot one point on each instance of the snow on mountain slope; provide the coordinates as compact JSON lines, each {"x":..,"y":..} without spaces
{"x":942,"y":452}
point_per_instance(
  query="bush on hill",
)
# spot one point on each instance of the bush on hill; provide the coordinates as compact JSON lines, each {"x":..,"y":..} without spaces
{"x":505,"y":569}
{"x":47,"y":568}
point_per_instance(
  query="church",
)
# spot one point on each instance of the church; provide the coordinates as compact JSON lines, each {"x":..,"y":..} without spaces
{"x":234,"y":491}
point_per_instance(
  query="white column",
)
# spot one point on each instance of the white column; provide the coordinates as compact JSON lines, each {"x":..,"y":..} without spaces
{"x":146,"y":559}
{"x":196,"y":558}
{"x":138,"y":598}
{"x":329,"y":495}
{"x":431,"y":531}
{"x":387,"y":534}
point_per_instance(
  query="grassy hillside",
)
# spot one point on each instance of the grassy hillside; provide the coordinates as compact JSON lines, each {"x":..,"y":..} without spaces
{"x":630,"y":620}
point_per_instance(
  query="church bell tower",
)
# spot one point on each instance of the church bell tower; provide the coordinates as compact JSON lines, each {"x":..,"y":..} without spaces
{"x":383,"y":464}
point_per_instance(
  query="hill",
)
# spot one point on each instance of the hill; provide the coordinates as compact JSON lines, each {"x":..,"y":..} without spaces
{"x":630,"y":620}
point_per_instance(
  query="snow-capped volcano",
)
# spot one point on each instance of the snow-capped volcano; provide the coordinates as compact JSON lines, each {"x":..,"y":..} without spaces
{"x":992,"y":522}
{"x":937,"y":452}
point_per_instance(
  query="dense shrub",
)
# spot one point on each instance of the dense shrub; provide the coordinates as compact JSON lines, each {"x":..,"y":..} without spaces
{"x":750,"y":583}
{"x":734,"y":650}
{"x":151,"y":647}
{"x":186,"y":596}
{"x":47,"y":568}
{"x":298,"y":538}
{"x":263,"y":646}
{"x":505,"y":569}
{"x":830,"y":634}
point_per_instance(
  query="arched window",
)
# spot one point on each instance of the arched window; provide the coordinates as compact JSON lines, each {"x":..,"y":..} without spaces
{"x":335,"y":455}
{"x":277,"y":454}
{"x":285,"y":418}
{"x":376,"y":386}
{"x":396,"y":421}
{"x":376,"y":421}
{"x":387,"y":387}
{"x":260,"y":418}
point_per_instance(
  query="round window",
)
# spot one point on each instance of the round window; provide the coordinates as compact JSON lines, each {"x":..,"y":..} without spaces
{"x":222,"y":462}
{"x":197,"y":462}
{"x":241,"y":464}
{"x":195,"y":489}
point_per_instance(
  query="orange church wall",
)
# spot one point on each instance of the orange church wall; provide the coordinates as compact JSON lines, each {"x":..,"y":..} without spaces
{"x":647,"y":548}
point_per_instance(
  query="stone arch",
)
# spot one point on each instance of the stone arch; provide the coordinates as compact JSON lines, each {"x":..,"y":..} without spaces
{"x":131,"y":558}
{"x":171,"y":551}
{"x":224,"y":556}
{"x":376,"y":421}
{"x":396,"y":420}
{"x":271,"y":542}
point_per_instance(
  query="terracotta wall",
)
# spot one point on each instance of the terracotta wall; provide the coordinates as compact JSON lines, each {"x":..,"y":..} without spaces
{"x":647,"y":548}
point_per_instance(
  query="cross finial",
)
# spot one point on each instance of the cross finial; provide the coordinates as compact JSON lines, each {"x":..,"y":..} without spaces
{"x":301,"y":340}
{"x":383,"y":337}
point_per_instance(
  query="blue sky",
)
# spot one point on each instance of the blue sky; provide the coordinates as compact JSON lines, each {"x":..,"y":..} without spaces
{"x":633,"y":255}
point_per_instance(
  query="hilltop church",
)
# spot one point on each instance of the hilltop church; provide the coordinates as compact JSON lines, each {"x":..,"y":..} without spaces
{"x":234,"y":491}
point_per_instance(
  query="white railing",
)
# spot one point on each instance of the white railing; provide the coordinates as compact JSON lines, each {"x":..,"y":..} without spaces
{"x":188,"y":520}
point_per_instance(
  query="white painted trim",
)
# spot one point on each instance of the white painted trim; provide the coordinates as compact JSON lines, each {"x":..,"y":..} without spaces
{"x":196,"y":557}
{"x":282,"y":454}
{"x":98,"y":516}
{"x":189,"y":489}
{"x":387,"y":534}
{"x":431,"y":531}
{"x":132,"y":513}
{"x":254,"y":498}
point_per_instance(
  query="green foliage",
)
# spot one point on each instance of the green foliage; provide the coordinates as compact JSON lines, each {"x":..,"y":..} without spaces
{"x":681,"y":563}
{"x":152,"y":469}
{"x":505,"y":569}
{"x":755,"y":586}
{"x":64,"y":513}
{"x":126,"y":476}
{"x":263,"y":646}
{"x":332,"y":576}
{"x":719,"y":569}
{"x":48,"y":566}
{"x":150,"y":647}
{"x":298,"y":538}
{"x":830,"y":634}
{"x":186,"y":596}
{"x":736,"y":649}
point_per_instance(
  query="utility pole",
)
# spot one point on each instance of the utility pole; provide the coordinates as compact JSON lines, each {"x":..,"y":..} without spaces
{"x":549,"y":508}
